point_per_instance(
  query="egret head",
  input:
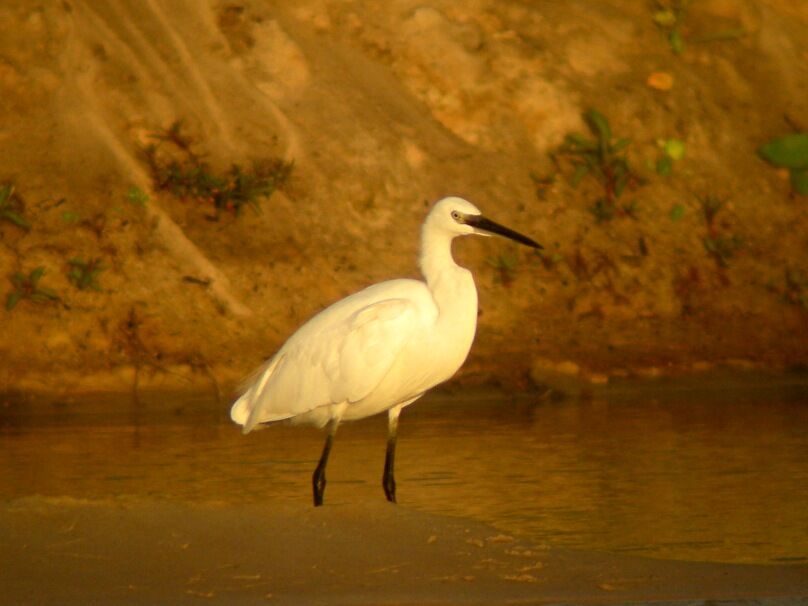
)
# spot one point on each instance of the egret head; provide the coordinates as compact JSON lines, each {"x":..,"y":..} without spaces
{"x":460,"y":217}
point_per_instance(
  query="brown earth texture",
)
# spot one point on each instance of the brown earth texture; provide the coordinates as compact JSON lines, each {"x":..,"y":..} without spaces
{"x":383,"y":109}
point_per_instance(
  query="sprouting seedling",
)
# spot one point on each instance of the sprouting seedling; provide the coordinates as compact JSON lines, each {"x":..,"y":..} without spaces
{"x":542,"y":183}
{"x":721,"y":245}
{"x":227,"y":192}
{"x":791,"y":153}
{"x":84,"y":274}
{"x":247,"y":187}
{"x":174,"y":134}
{"x":10,"y":207}
{"x":27,"y":287}
{"x":796,"y":288}
{"x":669,"y":16}
{"x":549,"y":260}
{"x":673,"y":150}
{"x":710,"y":205}
{"x":136,"y":196}
{"x":677,"y":212}
{"x":604,"y":157}
{"x":190,"y":178}
{"x":505,"y":264}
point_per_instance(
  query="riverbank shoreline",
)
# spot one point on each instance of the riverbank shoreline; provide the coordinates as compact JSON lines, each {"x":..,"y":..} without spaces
{"x":119,"y":551}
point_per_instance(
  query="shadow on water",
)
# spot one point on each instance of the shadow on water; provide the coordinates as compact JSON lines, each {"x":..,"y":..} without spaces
{"x":678,"y":471}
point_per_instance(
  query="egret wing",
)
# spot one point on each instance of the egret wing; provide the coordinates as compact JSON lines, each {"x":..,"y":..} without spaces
{"x":372,"y":343}
{"x":340,"y":363}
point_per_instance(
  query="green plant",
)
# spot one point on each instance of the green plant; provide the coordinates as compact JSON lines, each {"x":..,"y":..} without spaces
{"x":136,"y":196}
{"x":673,"y":150}
{"x":27,"y":287}
{"x":248,"y":187}
{"x":174,"y":135}
{"x":188,"y":177}
{"x":686,"y":286}
{"x":669,"y":16}
{"x":721,"y":245}
{"x":791,"y":153}
{"x":549,"y":260}
{"x":11,"y":207}
{"x":70,"y":217}
{"x":602,"y":210}
{"x":505,"y":264}
{"x":710,"y":205}
{"x":542,"y":183}
{"x":84,"y":274}
{"x":603,"y":157}
{"x":796,"y":288}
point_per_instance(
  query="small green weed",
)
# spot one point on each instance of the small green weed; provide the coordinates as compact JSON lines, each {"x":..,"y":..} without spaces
{"x":84,"y":274}
{"x":672,"y":150}
{"x":721,"y":245}
{"x":11,"y":207}
{"x":710,"y":205}
{"x":602,"y":211}
{"x":505,"y":265}
{"x":190,"y":178}
{"x":174,"y":135}
{"x":686,"y":286}
{"x":136,"y":196}
{"x":603,"y":157}
{"x":796,"y":288}
{"x":789,"y":152}
{"x":542,"y":184}
{"x":70,"y":217}
{"x":27,"y":287}
{"x":550,"y":260}
{"x":669,"y":16}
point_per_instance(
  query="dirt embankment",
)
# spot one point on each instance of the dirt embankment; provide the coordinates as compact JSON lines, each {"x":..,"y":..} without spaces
{"x":383,"y":110}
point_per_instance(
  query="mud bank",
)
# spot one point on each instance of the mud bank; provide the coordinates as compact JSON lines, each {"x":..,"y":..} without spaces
{"x":382,"y":112}
{"x":67,"y":551}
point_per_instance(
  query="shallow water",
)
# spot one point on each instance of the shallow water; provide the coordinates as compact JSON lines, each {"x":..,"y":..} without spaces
{"x":681,"y":472}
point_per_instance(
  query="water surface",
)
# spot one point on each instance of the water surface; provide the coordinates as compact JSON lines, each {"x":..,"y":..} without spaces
{"x":675,"y":472}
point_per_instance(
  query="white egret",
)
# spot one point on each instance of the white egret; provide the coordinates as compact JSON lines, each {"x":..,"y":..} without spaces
{"x":379,"y":349}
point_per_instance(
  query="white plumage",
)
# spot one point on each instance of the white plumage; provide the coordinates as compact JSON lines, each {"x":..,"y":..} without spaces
{"x":380,"y":348}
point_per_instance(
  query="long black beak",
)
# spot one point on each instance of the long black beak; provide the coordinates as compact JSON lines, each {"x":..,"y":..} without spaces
{"x":486,"y":225}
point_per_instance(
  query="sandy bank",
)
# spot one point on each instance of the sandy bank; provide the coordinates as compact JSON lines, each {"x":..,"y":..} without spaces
{"x":66,"y":551}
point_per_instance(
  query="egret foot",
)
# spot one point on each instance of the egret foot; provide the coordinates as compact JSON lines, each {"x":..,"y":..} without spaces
{"x":389,"y":485}
{"x":318,"y":479}
{"x":318,"y":483}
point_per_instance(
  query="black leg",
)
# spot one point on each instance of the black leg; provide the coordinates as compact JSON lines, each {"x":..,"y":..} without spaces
{"x":388,"y":479}
{"x":318,"y":479}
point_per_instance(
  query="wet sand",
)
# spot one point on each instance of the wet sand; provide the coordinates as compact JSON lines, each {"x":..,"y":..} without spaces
{"x":69,"y":551}
{"x":164,"y":502}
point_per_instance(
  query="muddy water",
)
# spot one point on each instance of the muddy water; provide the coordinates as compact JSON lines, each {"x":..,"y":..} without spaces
{"x":677,"y":471}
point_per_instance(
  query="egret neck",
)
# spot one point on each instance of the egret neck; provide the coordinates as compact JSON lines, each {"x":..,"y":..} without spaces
{"x":452,"y":286}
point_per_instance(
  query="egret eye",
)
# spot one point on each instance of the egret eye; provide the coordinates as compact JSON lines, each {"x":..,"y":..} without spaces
{"x":456,"y":216}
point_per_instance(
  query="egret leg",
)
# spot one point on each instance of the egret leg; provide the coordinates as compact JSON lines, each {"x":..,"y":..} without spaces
{"x":388,"y":479}
{"x":318,"y":479}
